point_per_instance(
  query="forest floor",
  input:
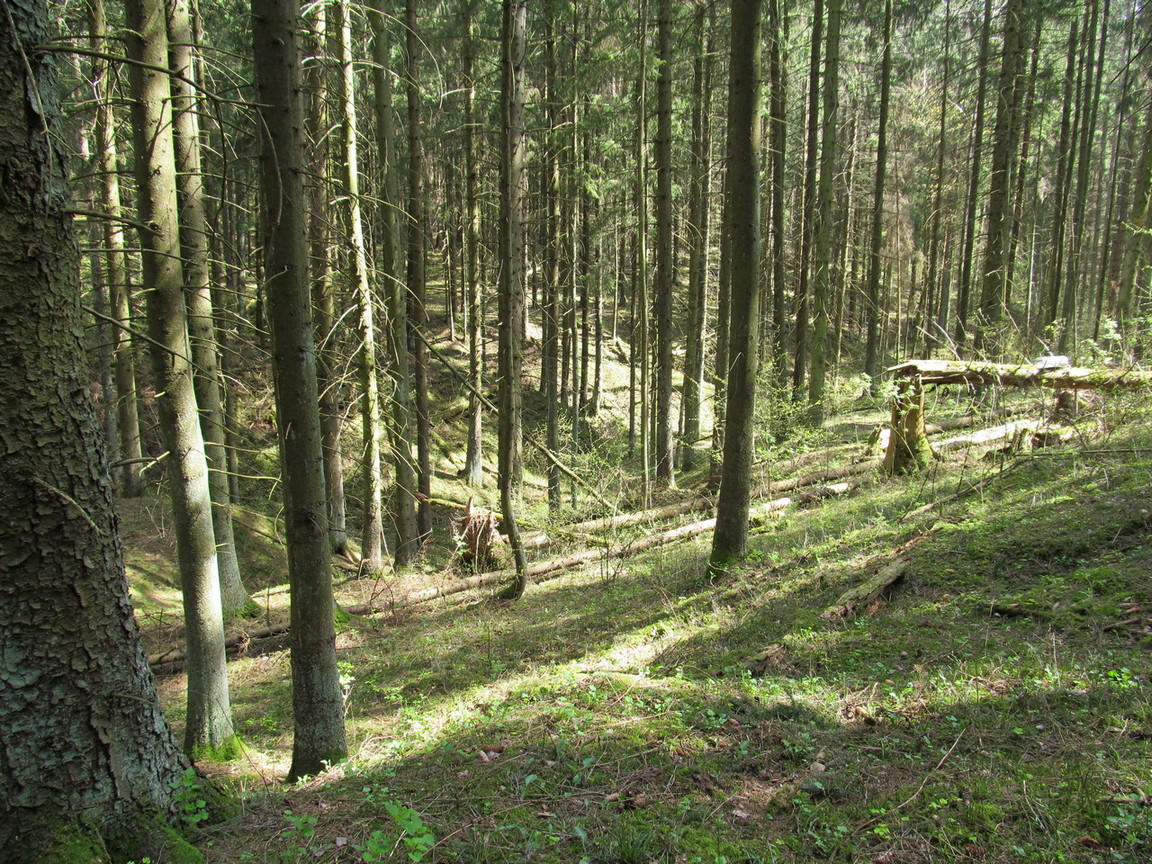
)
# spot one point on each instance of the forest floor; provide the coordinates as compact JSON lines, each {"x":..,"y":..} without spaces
{"x":993,"y":706}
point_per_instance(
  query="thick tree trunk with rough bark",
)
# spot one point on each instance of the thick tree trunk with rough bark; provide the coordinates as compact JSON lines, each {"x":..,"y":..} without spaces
{"x":474,"y":458}
{"x":730,"y":540}
{"x":84,"y":738}
{"x":209,"y":711}
{"x":317,"y":700}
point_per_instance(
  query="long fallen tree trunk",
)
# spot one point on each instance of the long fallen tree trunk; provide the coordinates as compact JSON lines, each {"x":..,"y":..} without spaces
{"x":1023,"y":375}
{"x":667,"y":511}
{"x":622,"y":550}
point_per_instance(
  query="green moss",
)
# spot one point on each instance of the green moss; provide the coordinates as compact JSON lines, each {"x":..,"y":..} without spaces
{"x":149,"y":837}
{"x":230,"y":749}
{"x":56,"y":842}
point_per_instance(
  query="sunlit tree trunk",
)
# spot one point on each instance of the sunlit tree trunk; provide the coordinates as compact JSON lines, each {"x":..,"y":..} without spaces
{"x":209,"y":721}
{"x":198,"y":295}
{"x":474,"y":459}
{"x":404,"y":491}
{"x":822,"y":252}
{"x":665,"y":248}
{"x":323,"y":289}
{"x":417,"y":249}
{"x":872,"y":291}
{"x":373,"y":548}
{"x":513,"y":38}
{"x":730,"y":539}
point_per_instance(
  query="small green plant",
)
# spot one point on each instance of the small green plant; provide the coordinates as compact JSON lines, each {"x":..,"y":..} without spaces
{"x":302,"y":832}
{"x":192,"y":807}
{"x":410,"y":834}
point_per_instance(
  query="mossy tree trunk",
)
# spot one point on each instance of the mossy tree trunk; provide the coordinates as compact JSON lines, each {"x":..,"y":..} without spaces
{"x":908,"y":447}
{"x":209,"y":723}
{"x":317,"y":700}
{"x":84,"y":736}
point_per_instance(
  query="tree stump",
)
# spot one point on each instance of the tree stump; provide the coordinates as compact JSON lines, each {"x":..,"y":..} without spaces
{"x":908,"y":447}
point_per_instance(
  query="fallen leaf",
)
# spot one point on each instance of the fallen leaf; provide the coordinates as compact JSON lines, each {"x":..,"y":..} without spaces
{"x":483,"y":756}
{"x":341,"y":841}
{"x":741,"y":814}
{"x":1090,"y":843}
{"x":544,"y":814}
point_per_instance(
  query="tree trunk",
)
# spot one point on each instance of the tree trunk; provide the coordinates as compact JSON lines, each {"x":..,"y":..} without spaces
{"x":323,"y":291}
{"x":317,"y":700}
{"x":968,"y":248}
{"x":802,"y":300}
{"x":699,"y":239}
{"x":116,"y":263}
{"x":395,"y":293}
{"x":513,"y":38}
{"x":373,"y":547}
{"x":872,"y":291}
{"x":822,"y":253}
{"x":85,"y":738}
{"x":1005,"y":137}
{"x":417,"y":249}
{"x":665,"y":248}
{"x":730,"y":540}
{"x":198,"y":295}
{"x":474,"y":460}
{"x":209,"y":723}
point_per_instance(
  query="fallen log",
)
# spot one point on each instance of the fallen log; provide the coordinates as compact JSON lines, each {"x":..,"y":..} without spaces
{"x":984,"y":436}
{"x":622,"y":550}
{"x":176,"y":655}
{"x":610,"y":523}
{"x":867,"y":592}
{"x":1023,"y":375}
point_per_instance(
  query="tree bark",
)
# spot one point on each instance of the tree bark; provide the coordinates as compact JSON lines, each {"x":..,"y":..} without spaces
{"x":116,"y":262}
{"x":209,"y":723}
{"x":513,"y":39}
{"x":872,"y":291}
{"x":417,"y":249}
{"x":207,"y":380}
{"x":85,"y":738}
{"x":474,"y":459}
{"x":317,"y":700}
{"x":665,"y":249}
{"x":730,"y":540}
{"x":373,"y":546}
{"x":822,"y":253}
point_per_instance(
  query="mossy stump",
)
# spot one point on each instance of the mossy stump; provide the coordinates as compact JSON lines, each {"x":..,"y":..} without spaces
{"x":908,"y":448}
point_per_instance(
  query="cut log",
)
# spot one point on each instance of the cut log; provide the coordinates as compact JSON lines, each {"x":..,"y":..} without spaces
{"x":867,"y":592}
